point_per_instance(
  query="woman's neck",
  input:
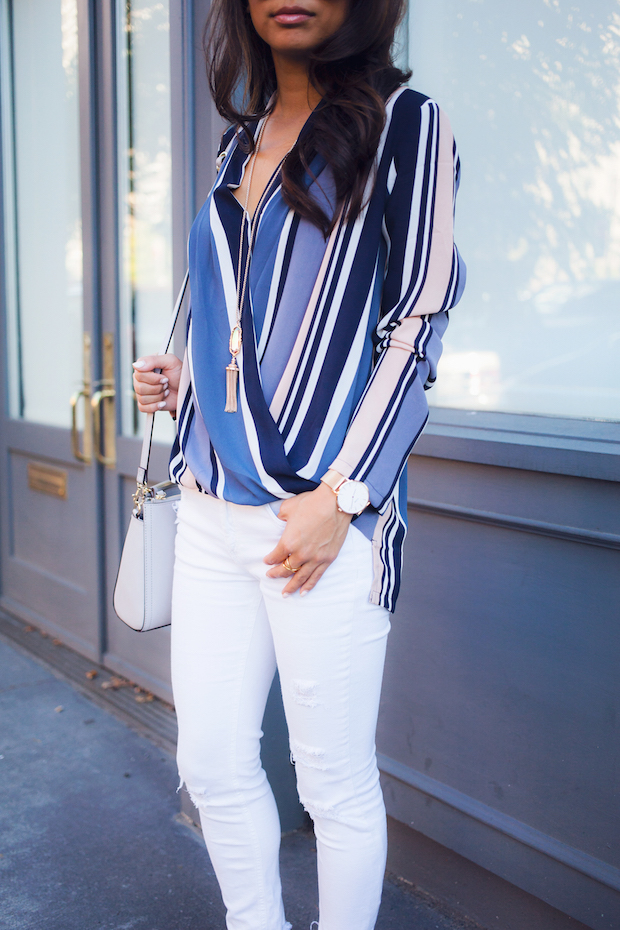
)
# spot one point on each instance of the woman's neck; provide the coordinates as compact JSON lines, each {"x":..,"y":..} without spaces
{"x":296,"y":97}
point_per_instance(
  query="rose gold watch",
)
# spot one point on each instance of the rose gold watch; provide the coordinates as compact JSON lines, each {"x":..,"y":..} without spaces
{"x":351,"y":496}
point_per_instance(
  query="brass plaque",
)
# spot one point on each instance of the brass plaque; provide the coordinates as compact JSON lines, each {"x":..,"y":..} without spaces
{"x":47,"y":479}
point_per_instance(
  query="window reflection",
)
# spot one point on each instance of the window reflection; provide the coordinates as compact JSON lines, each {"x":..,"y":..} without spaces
{"x":42,"y":206}
{"x":533,"y":93}
{"x":145,"y":191}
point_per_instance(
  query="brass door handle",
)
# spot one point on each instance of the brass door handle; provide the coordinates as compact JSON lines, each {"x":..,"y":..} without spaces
{"x":85,"y":454}
{"x":107,"y":455}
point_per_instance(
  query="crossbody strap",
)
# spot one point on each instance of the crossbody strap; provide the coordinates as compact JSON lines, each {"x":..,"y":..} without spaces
{"x":142,"y":476}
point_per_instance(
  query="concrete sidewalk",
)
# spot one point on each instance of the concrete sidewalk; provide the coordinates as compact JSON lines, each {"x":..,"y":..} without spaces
{"x":90,"y":834}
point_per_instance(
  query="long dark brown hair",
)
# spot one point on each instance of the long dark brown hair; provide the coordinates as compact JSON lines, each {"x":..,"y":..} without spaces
{"x":354,"y":72}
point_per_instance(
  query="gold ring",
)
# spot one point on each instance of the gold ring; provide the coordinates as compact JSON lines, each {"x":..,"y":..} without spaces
{"x":289,"y":567}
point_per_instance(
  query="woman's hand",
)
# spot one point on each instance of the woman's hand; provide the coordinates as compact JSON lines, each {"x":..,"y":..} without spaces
{"x":156,"y":391}
{"x":314,"y":534}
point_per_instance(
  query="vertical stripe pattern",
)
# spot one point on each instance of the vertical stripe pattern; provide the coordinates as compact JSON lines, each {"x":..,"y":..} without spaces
{"x":341,"y":338}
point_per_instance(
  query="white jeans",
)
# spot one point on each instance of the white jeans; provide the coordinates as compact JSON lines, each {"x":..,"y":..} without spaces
{"x":230,"y":627}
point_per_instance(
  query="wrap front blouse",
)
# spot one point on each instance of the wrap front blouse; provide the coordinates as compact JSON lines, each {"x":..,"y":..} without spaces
{"x":340,"y":337}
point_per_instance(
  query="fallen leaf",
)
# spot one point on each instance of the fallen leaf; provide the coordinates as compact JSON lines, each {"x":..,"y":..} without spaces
{"x":57,"y":642}
{"x":92,"y":674}
{"x":28,"y":629}
{"x":59,"y":709}
{"x":144,"y":698}
{"x":116,"y":683}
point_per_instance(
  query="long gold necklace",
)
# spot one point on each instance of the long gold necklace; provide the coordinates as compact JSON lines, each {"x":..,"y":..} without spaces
{"x":235,"y":341}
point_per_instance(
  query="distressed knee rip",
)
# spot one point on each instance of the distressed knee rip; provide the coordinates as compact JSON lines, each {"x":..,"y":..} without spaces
{"x":197,"y":795}
{"x":319,"y":811}
{"x":304,"y":692}
{"x":310,"y":756}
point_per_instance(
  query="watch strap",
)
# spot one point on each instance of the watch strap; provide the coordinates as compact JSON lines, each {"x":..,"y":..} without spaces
{"x":334,"y":480}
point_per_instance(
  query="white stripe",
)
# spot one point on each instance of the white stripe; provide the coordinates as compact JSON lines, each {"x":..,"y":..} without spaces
{"x":273,"y":194}
{"x":345,"y":383}
{"x":181,"y":430}
{"x":190,"y":351}
{"x":392,"y":406}
{"x":219,"y":178}
{"x":270,"y":484}
{"x":275,"y":283}
{"x":285,"y":385}
{"x":416,"y":207}
{"x":391,"y":531}
{"x":227,"y":270}
{"x":221,"y":478}
{"x":386,"y":523}
{"x":428,"y":219}
{"x":412,"y":228}
{"x":391,"y":178}
{"x":318,"y":360}
{"x":333,"y":258}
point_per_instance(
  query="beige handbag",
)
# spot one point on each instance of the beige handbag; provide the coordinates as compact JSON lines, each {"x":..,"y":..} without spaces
{"x":143,"y":589}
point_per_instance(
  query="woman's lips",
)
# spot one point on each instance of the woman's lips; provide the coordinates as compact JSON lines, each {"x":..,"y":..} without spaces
{"x":292,"y":15}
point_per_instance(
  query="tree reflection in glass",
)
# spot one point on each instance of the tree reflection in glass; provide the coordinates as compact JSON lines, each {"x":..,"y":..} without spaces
{"x":533,"y":93}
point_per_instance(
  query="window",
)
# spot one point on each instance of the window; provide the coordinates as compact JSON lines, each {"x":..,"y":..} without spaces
{"x":532,"y":91}
{"x":42,"y":206}
{"x":143,"y":52}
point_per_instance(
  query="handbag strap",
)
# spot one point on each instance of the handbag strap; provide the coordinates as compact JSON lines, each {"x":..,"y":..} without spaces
{"x":147,"y":442}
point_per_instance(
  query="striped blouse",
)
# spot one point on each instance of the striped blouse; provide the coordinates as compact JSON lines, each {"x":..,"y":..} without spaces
{"x":341,"y":337}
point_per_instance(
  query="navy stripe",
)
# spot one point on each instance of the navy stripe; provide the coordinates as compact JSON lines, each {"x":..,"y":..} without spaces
{"x":329,"y":407}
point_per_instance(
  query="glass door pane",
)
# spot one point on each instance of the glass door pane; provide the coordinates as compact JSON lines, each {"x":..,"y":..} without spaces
{"x":43,"y":222}
{"x":145,"y":192}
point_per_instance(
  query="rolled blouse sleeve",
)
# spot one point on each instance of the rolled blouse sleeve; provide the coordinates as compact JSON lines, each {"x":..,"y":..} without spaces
{"x":424,"y":278}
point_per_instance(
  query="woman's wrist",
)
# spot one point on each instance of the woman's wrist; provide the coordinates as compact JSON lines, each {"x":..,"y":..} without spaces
{"x":325,"y":494}
{"x":352,"y":496}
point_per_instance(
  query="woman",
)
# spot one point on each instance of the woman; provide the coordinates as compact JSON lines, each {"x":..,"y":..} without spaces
{"x":322,"y":267}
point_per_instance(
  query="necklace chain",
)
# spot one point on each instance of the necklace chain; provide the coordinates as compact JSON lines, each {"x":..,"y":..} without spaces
{"x":232,"y":369}
{"x":251,"y":228}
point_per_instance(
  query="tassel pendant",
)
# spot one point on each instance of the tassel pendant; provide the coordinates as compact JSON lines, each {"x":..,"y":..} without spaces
{"x":232,"y":380}
{"x":232,"y":370}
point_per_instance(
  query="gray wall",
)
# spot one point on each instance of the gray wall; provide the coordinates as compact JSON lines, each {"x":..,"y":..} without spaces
{"x":499,"y":720}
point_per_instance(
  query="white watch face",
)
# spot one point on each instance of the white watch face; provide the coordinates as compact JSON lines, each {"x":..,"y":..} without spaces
{"x":353,"y":496}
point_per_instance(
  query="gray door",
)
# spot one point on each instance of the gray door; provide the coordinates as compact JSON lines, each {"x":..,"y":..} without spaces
{"x":136,"y":291}
{"x":87,"y":247}
{"x":50,"y":558}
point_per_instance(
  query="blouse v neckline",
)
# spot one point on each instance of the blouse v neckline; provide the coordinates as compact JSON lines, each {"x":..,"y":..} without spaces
{"x":235,"y":185}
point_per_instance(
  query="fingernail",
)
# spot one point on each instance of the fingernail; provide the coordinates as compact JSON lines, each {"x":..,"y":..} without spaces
{"x":164,"y":381}
{"x":166,"y":393}
{"x":161,"y":404}
{"x":302,"y":593}
{"x":285,"y":594}
{"x":139,"y":364}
